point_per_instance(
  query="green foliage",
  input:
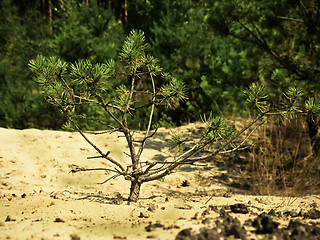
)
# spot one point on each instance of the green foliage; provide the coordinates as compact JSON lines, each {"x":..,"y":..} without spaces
{"x":123,"y":97}
{"x":217,"y":130}
{"x":287,"y":38}
{"x":61,"y":81}
{"x":291,"y":104}
{"x":173,"y":92}
{"x":19,"y":39}
{"x":176,"y":144}
{"x":257,"y":95}
{"x":11,"y":50}
{"x":73,"y":88}
{"x":134,"y":49}
{"x":217,"y":48}
{"x":165,"y":120}
{"x":313,"y":105}
{"x":142,"y":14}
{"x":87,"y":32}
{"x":236,"y":43}
{"x":292,"y":101}
{"x":215,"y":68}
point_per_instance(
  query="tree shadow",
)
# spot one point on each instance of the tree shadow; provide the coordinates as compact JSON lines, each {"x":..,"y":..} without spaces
{"x":230,"y":172}
{"x":118,"y":199}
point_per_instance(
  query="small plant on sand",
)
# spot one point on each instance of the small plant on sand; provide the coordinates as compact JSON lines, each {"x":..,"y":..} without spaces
{"x":142,"y":85}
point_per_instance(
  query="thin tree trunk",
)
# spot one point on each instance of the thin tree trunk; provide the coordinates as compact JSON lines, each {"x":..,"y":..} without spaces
{"x":134,"y":191}
{"x":314,"y":134}
{"x":125,"y":12}
{"x":50,"y":18}
{"x":43,"y":5}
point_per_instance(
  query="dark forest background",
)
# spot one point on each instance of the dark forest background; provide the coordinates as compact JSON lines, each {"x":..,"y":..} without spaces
{"x":218,"y":48}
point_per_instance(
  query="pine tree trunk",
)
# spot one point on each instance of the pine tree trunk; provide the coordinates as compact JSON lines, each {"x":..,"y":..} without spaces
{"x":134,"y":191}
{"x":314,"y":134}
{"x":43,"y":6}
{"x":50,"y":18}
{"x":125,"y":12}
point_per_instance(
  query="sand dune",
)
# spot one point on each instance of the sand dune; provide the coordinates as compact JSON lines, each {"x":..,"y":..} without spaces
{"x":41,"y":199}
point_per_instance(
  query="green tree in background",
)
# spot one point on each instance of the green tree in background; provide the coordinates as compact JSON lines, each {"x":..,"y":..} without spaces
{"x":215,"y":67}
{"x":88,"y":31}
{"x":80,"y":31}
{"x":287,"y":35}
{"x":217,"y":47}
{"x":20,"y":40}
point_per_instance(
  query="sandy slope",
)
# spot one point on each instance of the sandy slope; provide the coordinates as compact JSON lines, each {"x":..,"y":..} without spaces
{"x":41,"y":199}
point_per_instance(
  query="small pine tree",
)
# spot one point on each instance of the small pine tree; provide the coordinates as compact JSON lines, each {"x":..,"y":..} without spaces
{"x":70,"y":86}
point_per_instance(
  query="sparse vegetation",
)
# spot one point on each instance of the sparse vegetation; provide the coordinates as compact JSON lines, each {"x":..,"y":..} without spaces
{"x":281,"y":161}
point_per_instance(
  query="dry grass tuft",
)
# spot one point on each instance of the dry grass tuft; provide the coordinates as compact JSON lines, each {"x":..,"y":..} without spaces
{"x":281,"y":162}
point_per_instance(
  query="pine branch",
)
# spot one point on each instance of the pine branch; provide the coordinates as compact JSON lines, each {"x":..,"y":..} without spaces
{"x":91,"y":143}
{"x":286,"y":63}
{"x":187,"y":156}
{"x":238,"y":147}
{"x":150,"y":117}
{"x":105,"y":107}
{"x":126,"y":131}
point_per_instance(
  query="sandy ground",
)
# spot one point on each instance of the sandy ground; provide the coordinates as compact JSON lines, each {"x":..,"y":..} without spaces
{"x":41,"y":199}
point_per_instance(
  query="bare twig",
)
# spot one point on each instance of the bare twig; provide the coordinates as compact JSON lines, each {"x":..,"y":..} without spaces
{"x":110,"y":178}
{"x":79,"y":169}
{"x":90,"y":119}
{"x":90,"y":101}
{"x":289,"y":19}
{"x":146,"y":137}
{"x":103,"y":132}
{"x":149,"y":167}
{"x":91,"y":143}
{"x":99,"y":156}
{"x":97,"y":149}
{"x":167,"y":162}
{"x":238,"y":147}
{"x":127,"y":154}
{"x":127,"y":105}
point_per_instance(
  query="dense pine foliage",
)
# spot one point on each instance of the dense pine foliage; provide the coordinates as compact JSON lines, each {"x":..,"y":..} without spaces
{"x":218,"y":48}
